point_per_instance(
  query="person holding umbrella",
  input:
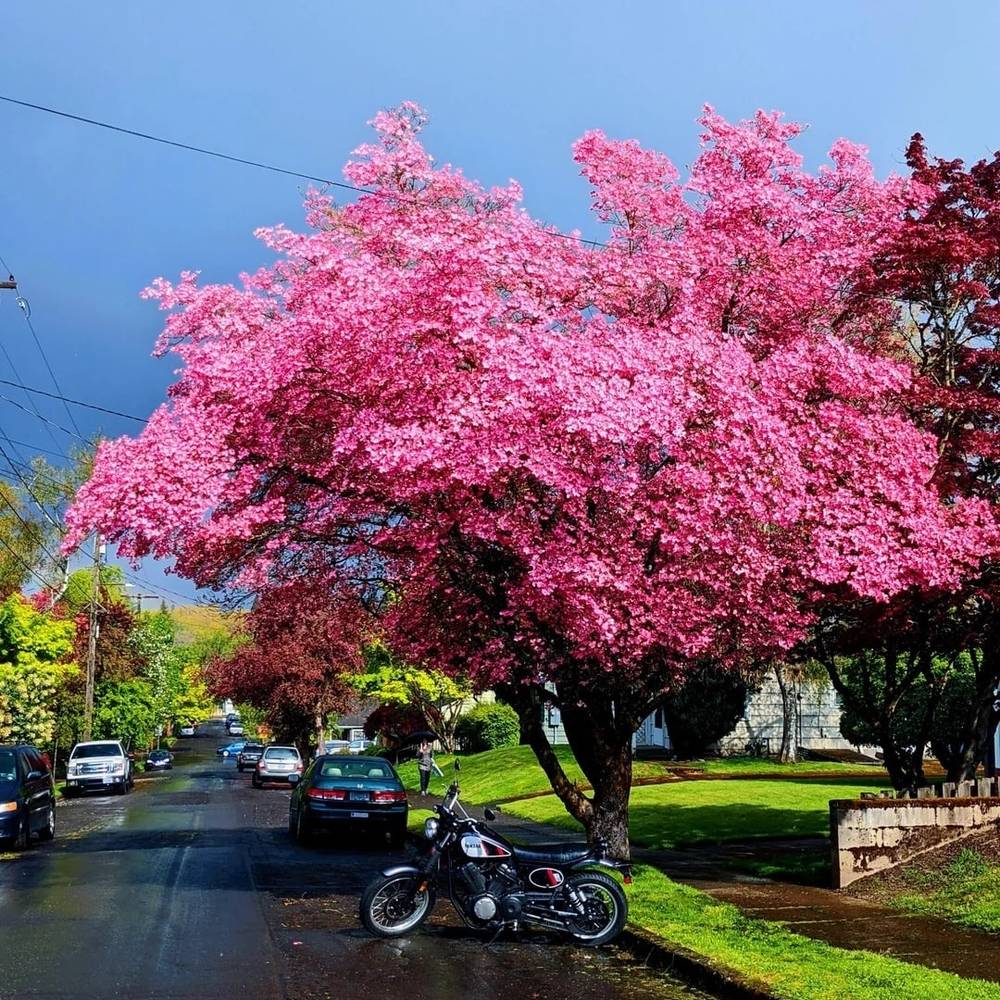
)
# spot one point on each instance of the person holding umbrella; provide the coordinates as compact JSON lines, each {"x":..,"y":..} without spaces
{"x":425,"y":761}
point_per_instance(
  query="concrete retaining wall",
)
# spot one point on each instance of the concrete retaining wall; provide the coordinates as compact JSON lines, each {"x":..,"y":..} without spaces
{"x":873,"y":834}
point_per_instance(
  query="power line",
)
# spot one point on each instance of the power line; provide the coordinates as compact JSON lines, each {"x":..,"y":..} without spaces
{"x":31,"y":402}
{"x":184,"y":145}
{"x":14,"y":402}
{"x":52,"y":374}
{"x":156,"y":586}
{"x":37,"y":449}
{"x":75,"y":402}
{"x":357,"y":189}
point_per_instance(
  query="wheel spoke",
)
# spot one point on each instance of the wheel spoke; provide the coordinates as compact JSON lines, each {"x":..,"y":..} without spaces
{"x":396,"y":906}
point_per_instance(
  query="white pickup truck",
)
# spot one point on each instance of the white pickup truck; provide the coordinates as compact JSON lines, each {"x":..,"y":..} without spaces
{"x":103,"y":764}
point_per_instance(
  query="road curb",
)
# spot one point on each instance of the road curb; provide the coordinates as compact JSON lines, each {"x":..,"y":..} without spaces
{"x":656,"y":953}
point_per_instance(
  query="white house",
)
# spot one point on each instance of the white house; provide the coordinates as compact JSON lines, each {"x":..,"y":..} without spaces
{"x":817,"y":722}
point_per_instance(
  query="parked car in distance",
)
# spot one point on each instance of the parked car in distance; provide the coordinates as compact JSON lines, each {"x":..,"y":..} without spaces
{"x":360,"y":746}
{"x":342,"y":791}
{"x":236,"y":728}
{"x":276,"y":764}
{"x":186,"y":730}
{"x":159,"y":760}
{"x":103,"y":764}
{"x":231,"y":749}
{"x":27,"y":796}
{"x":249,"y":755}
{"x":337,"y":746}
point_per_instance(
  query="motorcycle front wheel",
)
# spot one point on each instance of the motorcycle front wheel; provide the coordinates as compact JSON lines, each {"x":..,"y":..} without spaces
{"x":605,"y":909}
{"x":393,"y":905}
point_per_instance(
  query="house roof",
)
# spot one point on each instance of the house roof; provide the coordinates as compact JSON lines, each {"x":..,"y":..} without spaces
{"x":357,"y":714}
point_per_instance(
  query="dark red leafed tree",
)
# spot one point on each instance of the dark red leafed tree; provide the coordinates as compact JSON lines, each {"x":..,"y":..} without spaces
{"x":303,"y":641}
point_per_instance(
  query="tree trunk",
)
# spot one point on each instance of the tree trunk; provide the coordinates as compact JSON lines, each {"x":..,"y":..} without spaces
{"x":602,"y":745}
{"x":788,"y":754}
{"x":610,"y":818}
{"x":982,"y":723}
{"x":528,"y":702}
{"x":904,"y":764}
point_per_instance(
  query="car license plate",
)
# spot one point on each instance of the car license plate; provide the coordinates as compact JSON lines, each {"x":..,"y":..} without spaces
{"x":359,"y":796}
{"x":357,"y":815}
{"x":108,"y":781}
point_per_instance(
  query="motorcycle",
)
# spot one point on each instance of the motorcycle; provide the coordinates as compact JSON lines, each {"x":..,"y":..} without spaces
{"x":494,"y":884}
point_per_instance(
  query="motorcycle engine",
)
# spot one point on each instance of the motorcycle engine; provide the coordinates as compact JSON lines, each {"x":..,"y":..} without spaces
{"x":489,"y":892}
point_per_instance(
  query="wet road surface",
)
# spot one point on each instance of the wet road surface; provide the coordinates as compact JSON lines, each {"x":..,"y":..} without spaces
{"x":191,"y":887}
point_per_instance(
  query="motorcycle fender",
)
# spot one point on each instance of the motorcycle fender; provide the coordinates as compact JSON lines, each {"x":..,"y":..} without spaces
{"x":401,"y":870}
{"x":623,"y":867}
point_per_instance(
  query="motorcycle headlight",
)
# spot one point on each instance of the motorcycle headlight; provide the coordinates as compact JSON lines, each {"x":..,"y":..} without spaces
{"x":431,"y":828}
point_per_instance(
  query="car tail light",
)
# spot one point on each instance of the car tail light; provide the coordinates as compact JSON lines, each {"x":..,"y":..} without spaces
{"x":327,"y":793}
{"x":388,"y":796}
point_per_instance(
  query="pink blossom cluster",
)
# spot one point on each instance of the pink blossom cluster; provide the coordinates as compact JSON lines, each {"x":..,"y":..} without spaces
{"x":533,"y":451}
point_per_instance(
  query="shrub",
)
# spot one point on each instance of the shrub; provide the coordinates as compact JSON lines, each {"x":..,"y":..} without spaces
{"x":703,"y":709}
{"x":488,"y":727}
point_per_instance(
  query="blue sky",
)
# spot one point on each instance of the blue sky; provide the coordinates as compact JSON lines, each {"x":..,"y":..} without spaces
{"x":87,"y":217}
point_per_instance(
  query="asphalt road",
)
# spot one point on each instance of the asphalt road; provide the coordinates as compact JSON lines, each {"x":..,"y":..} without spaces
{"x":191,"y":887}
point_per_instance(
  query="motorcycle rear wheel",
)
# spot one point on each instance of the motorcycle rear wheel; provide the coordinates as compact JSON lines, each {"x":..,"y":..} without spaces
{"x":393,"y":906}
{"x":606,"y":909}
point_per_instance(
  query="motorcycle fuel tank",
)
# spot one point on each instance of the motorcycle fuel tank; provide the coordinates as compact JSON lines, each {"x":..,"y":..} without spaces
{"x":479,"y":846}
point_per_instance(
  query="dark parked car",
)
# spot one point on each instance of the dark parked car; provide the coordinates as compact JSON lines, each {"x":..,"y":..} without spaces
{"x":338,"y":790}
{"x":249,"y":755}
{"x":159,"y":760}
{"x":27,"y":796}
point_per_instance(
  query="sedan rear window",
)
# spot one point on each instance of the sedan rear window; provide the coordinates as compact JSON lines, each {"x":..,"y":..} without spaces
{"x":97,"y":750}
{"x":354,"y":769}
{"x":282,"y":753}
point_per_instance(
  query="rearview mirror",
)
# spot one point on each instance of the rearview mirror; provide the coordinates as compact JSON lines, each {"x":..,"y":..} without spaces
{"x":490,"y":815}
{"x":35,"y":775}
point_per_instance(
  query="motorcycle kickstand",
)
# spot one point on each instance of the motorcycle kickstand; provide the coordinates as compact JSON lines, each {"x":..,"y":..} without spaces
{"x":499,"y":931}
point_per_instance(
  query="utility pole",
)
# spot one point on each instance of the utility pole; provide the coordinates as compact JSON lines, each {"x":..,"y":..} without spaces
{"x":94,"y":626}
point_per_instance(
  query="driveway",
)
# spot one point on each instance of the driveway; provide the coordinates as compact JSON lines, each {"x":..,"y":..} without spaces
{"x":190,"y":887}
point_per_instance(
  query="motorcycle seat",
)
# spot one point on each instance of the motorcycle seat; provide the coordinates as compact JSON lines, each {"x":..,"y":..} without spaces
{"x":554,"y":854}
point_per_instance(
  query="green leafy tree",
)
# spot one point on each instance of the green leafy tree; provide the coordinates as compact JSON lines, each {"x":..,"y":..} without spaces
{"x":126,"y":711}
{"x":439,"y":697}
{"x":152,"y":642}
{"x":75,"y":597}
{"x":703,"y":708}
{"x":35,"y":665}
{"x":194,"y":702}
{"x":488,"y":727}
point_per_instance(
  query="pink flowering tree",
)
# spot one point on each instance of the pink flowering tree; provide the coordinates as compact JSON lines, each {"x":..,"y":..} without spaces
{"x":569,"y":472}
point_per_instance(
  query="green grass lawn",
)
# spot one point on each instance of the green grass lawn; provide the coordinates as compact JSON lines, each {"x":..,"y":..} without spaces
{"x":965,"y":891}
{"x":791,"y":966}
{"x":505,"y":774}
{"x":739,"y":766}
{"x":690,"y":812}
